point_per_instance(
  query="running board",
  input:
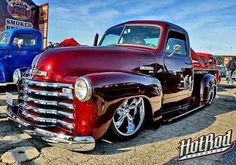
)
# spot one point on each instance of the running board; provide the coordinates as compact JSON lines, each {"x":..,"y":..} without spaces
{"x":177,"y":108}
{"x":183,"y":114}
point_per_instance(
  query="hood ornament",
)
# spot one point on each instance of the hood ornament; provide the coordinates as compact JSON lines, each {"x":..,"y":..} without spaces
{"x":36,"y":72}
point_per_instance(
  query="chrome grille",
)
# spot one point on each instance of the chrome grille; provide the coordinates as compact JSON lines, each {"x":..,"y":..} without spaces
{"x":46,"y":103}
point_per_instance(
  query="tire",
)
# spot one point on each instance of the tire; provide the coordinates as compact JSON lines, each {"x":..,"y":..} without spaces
{"x":211,"y":95}
{"x":128,"y":119}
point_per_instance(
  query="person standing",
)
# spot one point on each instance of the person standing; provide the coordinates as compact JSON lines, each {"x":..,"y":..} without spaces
{"x":231,"y":67}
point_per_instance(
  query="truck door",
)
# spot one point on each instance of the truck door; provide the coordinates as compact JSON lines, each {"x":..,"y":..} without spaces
{"x":178,"y":65}
{"x":22,"y":50}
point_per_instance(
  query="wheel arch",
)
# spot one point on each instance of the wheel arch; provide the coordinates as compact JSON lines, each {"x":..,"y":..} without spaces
{"x":208,"y":81}
{"x":110,"y":89}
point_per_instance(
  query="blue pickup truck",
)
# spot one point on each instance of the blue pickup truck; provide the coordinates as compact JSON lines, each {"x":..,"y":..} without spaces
{"x":18,"y":47}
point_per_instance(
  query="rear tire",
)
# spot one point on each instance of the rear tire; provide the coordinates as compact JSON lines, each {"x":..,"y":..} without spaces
{"x":211,"y":95}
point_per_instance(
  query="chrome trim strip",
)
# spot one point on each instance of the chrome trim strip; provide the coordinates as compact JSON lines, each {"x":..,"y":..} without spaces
{"x":46,"y":111}
{"x":45,"y":102}
{"x":47,"y":120}
{"x":47,"y":93}
{"x":47,"y":84}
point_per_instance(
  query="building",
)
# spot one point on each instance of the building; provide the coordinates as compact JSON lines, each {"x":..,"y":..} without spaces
{"x":24,"y":14}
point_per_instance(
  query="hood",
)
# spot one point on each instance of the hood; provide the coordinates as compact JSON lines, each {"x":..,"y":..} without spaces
{"x":77,"y":61}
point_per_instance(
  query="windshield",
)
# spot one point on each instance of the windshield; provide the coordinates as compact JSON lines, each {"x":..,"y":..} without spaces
{"x":141,"y":35}
{"x":4,"y":38}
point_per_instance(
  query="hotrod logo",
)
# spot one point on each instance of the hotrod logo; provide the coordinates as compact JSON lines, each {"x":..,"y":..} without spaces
{"x":19,"y":9}
{"x":205,"y":145}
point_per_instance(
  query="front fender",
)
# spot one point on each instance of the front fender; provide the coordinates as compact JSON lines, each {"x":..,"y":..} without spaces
{"x":110,"y":89}
{"x":208,"y":80}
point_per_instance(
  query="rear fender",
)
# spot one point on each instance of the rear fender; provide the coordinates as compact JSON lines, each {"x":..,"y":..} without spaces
{"x":208,"y":81}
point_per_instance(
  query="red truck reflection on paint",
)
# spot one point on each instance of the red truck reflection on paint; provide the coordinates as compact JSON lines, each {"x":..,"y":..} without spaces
{"x":140,"y":71}
{"x":207,"y":62}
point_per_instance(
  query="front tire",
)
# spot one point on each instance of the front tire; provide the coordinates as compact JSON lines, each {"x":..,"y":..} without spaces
{"x":129,"y":118}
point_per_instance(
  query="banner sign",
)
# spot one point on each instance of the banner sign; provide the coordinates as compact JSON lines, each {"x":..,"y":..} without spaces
{"x":12,"y":23}
{"x":19,"y":9}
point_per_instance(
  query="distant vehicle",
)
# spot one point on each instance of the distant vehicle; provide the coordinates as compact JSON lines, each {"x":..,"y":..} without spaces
{"x":205,"y":62}
{"x":18,"y":47}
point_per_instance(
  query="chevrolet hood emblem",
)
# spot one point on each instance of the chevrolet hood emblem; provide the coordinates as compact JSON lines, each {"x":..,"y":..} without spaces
{"x":36,"y":72}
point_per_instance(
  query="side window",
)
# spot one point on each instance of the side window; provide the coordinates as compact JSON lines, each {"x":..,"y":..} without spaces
{"x":176,"y":39}
{"x":24,"y":40}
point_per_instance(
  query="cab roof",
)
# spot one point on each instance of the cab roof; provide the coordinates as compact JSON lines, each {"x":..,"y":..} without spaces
{"x":154,"y":22}
{"x":23,"y":30}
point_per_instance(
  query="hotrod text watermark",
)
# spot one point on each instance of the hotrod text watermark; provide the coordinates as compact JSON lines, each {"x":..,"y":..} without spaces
{"x":205,"y":145}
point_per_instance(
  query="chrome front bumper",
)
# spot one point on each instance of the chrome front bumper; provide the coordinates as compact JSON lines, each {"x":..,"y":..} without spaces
{"x":74,"y":143}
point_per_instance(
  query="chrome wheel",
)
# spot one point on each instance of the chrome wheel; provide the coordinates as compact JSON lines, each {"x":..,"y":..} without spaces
{"x":211,"y":95}
{"x":129,"y":117}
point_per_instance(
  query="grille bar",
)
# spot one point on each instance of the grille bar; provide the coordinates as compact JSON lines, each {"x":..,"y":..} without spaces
{"x":46,"y":102}
{"x":47,"y":111}
{"x":47,"y":120}
{"x":47,"y":93}
{"x":47,"y":84}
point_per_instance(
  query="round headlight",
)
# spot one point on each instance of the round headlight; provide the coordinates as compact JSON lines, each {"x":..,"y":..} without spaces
{"x":83,"y":89}
{"x":16,"y":76}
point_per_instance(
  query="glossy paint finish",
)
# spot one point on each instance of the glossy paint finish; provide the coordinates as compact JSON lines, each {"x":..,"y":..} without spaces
{"x":13,"y":57}
{"x":118,"y":73}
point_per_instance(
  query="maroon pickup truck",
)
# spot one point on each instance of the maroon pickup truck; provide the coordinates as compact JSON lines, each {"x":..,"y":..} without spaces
{"x":140,"y":71}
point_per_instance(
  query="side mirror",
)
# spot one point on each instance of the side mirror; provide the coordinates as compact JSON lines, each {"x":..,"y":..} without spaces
{"x":95,"y":41}
{"x":177,"y":49}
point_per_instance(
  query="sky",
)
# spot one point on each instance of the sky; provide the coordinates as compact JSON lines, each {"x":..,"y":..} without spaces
{"x":211,"y":24}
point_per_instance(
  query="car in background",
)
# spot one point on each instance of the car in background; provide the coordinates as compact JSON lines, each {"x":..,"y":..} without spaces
{"x":205,"y":62}
{"x":18,"y":47}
